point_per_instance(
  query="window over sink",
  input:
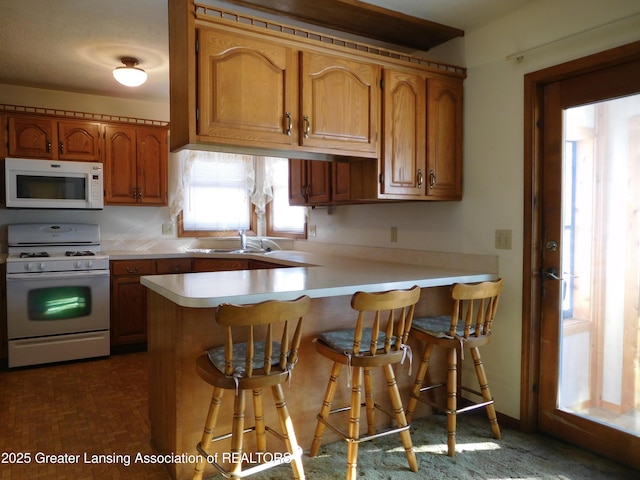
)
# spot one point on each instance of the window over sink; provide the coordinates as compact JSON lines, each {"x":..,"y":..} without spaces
{"x":221,"y":193}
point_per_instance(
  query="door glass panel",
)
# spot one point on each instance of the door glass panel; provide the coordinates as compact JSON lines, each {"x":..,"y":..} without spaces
{"x":600,"y":361}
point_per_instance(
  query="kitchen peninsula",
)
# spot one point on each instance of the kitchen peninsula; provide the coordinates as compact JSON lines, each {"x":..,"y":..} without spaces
{"x":181,"y":327}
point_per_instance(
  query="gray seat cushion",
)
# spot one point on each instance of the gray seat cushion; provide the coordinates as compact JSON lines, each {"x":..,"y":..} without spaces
{"x":342,"y":340}
{"x":216,"y":356}
{"x":439,"y":326}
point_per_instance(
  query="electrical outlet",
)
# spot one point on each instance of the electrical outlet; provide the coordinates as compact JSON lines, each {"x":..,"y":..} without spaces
{"x":394,"y":234}
{"x":167,"y":228}
{"x":312,"y":230}
{"x":503,"y":239}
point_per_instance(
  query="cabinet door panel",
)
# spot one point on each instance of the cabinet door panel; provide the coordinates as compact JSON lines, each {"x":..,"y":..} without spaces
{"x":128,"y":310}
{"x":219,"y":264}
{"x":79,"y":141}
{"x":339,"y":103}
{"x":32,"y":137}
{"x":297,"y":182}
{"x":444,"y":157}
{"x":319,"y":182}
{"x":248,"y":89}
{"x":404,"y":139}
{"x":340,"y":182}
{"x":173,"y":265}
{"x":151,"y":171}
{"x":120,"y":165}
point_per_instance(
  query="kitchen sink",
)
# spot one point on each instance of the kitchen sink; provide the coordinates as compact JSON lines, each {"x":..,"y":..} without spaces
{"x":226,"y":250}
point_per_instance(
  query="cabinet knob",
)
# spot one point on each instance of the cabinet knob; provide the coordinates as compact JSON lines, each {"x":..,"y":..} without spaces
{"x":61,"y":148}
{"x":132,"y":269}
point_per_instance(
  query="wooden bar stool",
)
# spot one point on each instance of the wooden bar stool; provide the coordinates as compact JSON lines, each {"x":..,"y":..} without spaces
{"x":468,"y":327}
{"x":363,"y":348}
{"x":257,"y":361}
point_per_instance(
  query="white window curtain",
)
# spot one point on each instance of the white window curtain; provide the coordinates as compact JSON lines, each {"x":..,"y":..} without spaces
{"x":217,"y":190}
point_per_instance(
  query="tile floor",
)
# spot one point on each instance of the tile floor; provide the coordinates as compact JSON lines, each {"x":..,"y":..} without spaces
{"x":93,"y":407}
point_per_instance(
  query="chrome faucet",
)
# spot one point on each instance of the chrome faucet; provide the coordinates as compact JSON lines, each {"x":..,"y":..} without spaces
{"x":243,"y":239}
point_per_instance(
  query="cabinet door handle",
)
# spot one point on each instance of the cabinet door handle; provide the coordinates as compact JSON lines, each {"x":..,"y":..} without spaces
{"x":139,"y":193}
{"x":307,"y":126}
{"x":432,"y":179}
{"x":48,"y":146}
{"x":289,"y":123}
{"x":420,"y":178}
{"x":61,"y":148}
{"x":132,"y":269}
{"x":134,"y":192}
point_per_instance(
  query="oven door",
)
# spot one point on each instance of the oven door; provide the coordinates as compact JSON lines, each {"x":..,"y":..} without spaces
{"x":53,"y":303}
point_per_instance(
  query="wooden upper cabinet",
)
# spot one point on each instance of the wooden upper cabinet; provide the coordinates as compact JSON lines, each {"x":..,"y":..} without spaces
{"x":317,"y":182}
{"x":151,"y":166}
{"x":79,"y":141}
{"x":32,"y":137}
{"x":444,"y":138}
{"x":135,"y":165}
{"x":48,"y":138}
{"x":403,"y":162}
{"x":120,"y":165}
{"x":248,"y":90}
{"x":339,"y":104}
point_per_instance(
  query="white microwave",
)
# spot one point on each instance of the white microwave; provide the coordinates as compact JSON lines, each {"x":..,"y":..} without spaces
{"x":53,"y":184}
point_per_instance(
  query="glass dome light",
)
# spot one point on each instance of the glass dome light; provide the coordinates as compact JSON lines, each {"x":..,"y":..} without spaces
{"x":130,"y":75}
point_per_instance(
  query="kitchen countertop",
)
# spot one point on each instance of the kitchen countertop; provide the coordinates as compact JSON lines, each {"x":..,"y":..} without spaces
{"x":319,"y":276}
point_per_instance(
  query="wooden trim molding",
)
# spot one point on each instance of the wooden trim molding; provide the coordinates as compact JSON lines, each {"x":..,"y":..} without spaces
{"x":359,"y":18}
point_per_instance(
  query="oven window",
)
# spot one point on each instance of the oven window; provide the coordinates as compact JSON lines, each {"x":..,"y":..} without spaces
{"x":59,"y":303}
{"x":51,"y":188}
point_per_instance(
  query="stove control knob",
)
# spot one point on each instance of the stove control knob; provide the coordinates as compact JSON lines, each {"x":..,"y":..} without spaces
{"x":89,"y":264}
{"x":78,"y":264}
{"x":41,"y":266}
{"x":28,"y":266}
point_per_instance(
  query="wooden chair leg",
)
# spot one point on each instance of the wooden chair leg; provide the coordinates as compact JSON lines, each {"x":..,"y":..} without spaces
{"x":354,"y":424}
{"x":287,"y":430}
{"x":419,"y":381}
{"x":368,"y":398}
{"x":207,"y":434}
{"x":237,"y":431}
{"x":486,"y":393}
{"x":396,"y":403}
{"x":258,"y":413}
{"x":452,"y":386}
{"x":326,"y":408}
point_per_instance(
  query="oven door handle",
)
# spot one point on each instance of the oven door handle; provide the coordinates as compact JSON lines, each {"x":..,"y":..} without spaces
{"x":57,"y":275}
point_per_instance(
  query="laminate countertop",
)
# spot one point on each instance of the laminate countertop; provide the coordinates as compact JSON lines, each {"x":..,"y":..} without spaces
{"x":312,"y":274}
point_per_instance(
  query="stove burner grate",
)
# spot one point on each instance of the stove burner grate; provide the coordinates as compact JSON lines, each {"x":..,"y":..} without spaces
{"x":33,"y":254}
{"x":79,"y":253}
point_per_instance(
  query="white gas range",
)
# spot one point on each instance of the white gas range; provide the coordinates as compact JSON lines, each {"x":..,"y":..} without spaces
{"x":57,"y":293}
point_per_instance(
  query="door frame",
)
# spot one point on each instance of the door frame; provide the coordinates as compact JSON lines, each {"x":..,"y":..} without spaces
{"x":534,"y":84}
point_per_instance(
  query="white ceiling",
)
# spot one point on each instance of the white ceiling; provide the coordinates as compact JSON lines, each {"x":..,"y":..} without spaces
{"x":73,"y":45}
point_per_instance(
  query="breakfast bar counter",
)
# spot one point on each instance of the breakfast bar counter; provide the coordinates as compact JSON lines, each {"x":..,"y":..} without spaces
{"x":181,"y":326}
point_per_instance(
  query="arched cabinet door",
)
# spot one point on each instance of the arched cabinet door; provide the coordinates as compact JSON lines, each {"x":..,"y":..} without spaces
{"x":339,"y":104}
{"x":444,"y":138}
{"x":247,"y":90}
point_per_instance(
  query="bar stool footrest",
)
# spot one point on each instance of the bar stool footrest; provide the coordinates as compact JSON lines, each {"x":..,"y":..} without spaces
{"x":288,"y":458}
{"x":364,"y":438}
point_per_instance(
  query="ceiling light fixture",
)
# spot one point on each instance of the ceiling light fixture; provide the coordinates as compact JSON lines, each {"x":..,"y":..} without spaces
{"x":130,"y":75}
